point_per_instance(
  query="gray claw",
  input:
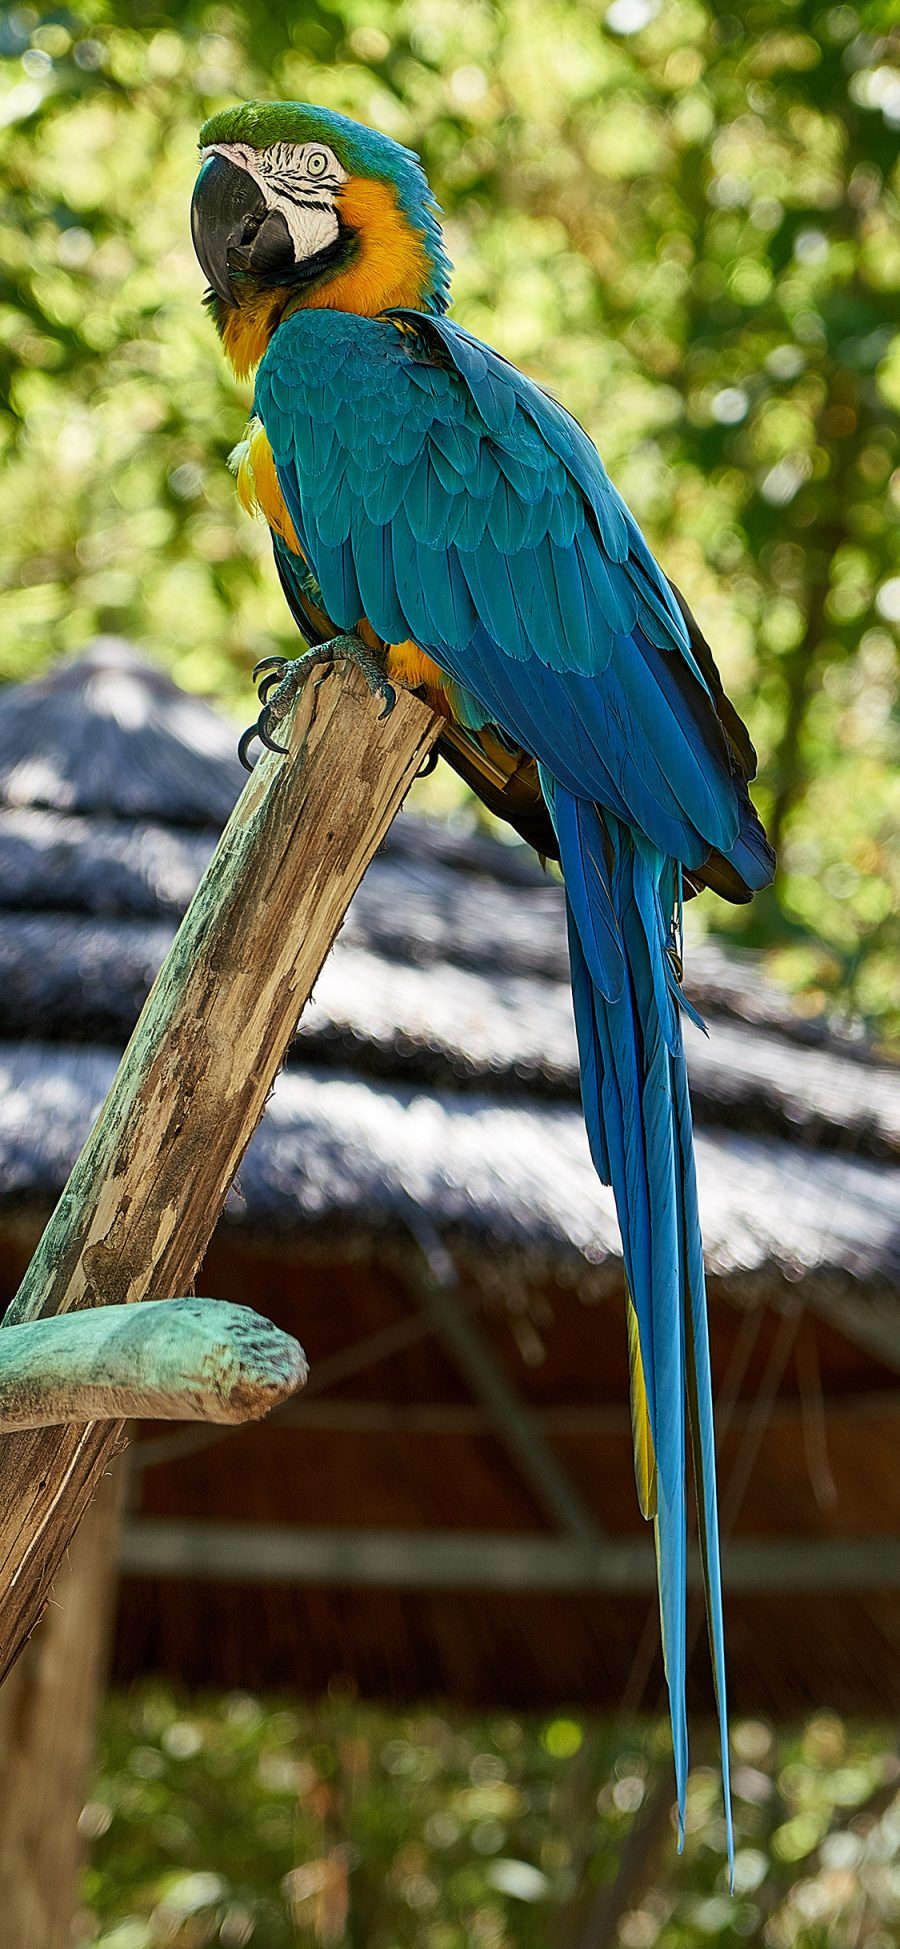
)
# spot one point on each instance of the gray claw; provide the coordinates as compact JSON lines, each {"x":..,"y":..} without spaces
{"x":268,"y":684}
{"x":268,"y":663}
{"x":244,"y":743}
{"x":262,"y":732}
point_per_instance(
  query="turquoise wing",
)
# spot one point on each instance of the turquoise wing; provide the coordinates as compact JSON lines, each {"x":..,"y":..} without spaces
{"x":445,"y":497}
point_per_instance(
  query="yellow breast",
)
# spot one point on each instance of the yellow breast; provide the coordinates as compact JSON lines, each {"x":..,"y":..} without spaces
{"x":410,"y":665}
{"x":258,"y":486}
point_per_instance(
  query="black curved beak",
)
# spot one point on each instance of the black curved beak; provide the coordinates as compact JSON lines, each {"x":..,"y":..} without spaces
{"x":234,"y":231}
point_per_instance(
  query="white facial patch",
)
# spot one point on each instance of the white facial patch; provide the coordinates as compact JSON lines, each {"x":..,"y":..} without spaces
{"x":299,"y":180}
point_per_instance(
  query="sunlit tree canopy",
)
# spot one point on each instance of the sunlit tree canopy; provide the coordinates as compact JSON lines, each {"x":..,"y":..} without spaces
{"x":242,"y":1822}
{"x":681,"y":219}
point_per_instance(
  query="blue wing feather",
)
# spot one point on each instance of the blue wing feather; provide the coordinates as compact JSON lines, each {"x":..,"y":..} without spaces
{"x":526,"y":478}
{"x":564,"y":564}
{"x":457,"y":444}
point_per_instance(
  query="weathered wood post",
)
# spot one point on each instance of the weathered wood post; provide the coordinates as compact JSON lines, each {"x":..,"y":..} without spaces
{"x":143,"y":1198}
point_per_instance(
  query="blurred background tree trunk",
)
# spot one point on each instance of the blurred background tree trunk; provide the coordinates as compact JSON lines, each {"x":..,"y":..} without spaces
{"x":48,"y":1716}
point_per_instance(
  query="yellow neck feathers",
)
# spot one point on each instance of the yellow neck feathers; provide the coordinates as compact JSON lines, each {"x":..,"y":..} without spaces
{"x":247,"y":328}
{"x":391,"y":265}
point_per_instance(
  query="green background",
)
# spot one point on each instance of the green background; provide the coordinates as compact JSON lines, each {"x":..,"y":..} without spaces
{"x":226,"y":1821}
{"x":682,"y":219}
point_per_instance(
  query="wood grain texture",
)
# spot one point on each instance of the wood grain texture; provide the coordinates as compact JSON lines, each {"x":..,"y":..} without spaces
{"x":174,"y":1360}
{"x":143,"y":1198}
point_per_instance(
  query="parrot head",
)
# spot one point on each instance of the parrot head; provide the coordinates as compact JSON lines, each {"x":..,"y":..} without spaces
{"x":297,"y":206}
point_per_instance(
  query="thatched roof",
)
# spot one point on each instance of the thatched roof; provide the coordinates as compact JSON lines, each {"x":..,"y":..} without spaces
{"x":343,"y":1156}
{"x":424,"y":1150}
{"x":445,"y":1004}
{"x":107,"y":734}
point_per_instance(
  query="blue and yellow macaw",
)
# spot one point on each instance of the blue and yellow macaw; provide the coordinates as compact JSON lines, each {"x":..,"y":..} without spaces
{"x":438,"y":517}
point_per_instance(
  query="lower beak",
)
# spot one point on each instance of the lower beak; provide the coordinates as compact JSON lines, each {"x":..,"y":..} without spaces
{"x":228,"y":211}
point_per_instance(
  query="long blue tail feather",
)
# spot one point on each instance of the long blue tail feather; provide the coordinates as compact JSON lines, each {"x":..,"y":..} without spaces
{"x":579,"y":830}
{"x":637,"y":1112}
{"x":700,"y":1416}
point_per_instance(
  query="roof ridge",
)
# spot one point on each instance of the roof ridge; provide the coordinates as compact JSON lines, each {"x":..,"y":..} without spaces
{"x":107,"y":732}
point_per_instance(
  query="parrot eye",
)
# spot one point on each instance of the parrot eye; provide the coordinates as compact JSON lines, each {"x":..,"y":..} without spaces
{"x":316,"y":162}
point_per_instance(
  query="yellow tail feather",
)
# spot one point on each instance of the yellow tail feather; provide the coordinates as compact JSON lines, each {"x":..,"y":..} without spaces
{"x":644,"y":1452}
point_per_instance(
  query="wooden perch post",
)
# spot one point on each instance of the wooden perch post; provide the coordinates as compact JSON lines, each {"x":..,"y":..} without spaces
{"x":140,"y":1206}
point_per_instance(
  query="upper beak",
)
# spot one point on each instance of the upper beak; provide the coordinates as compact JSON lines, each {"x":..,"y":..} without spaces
{"x":228,"y":210}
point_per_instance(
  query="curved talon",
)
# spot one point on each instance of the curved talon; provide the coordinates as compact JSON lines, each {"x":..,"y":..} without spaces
{"x":268,"y":663}
{"x":430,"y":764}
{"x":262,"y":732}
{"x":267,"y":685}
{"x":244,"y":743}
{"x":389,"y":694}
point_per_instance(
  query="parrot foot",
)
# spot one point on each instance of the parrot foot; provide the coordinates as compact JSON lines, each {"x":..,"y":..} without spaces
{"x":280,"y":680}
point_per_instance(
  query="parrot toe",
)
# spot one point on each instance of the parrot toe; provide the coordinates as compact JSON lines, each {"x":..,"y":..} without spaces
{"x":280,"y":679}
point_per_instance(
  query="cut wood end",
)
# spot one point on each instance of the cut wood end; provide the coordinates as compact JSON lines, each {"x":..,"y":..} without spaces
{"x":168,"y":1360}
{"x":252,"y":1370}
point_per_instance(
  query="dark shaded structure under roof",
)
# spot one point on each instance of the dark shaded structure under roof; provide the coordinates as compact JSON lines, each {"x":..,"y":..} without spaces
{"x":451,"y":1507}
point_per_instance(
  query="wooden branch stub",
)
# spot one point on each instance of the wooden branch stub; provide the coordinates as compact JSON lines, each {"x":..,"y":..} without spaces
{"x":143,"y":1199}
{"x":174,"y":1360}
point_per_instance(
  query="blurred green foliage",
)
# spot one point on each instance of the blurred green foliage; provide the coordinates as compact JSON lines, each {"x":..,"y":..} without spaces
{"x":237,"y":1822}
{"x":681,"y":218}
